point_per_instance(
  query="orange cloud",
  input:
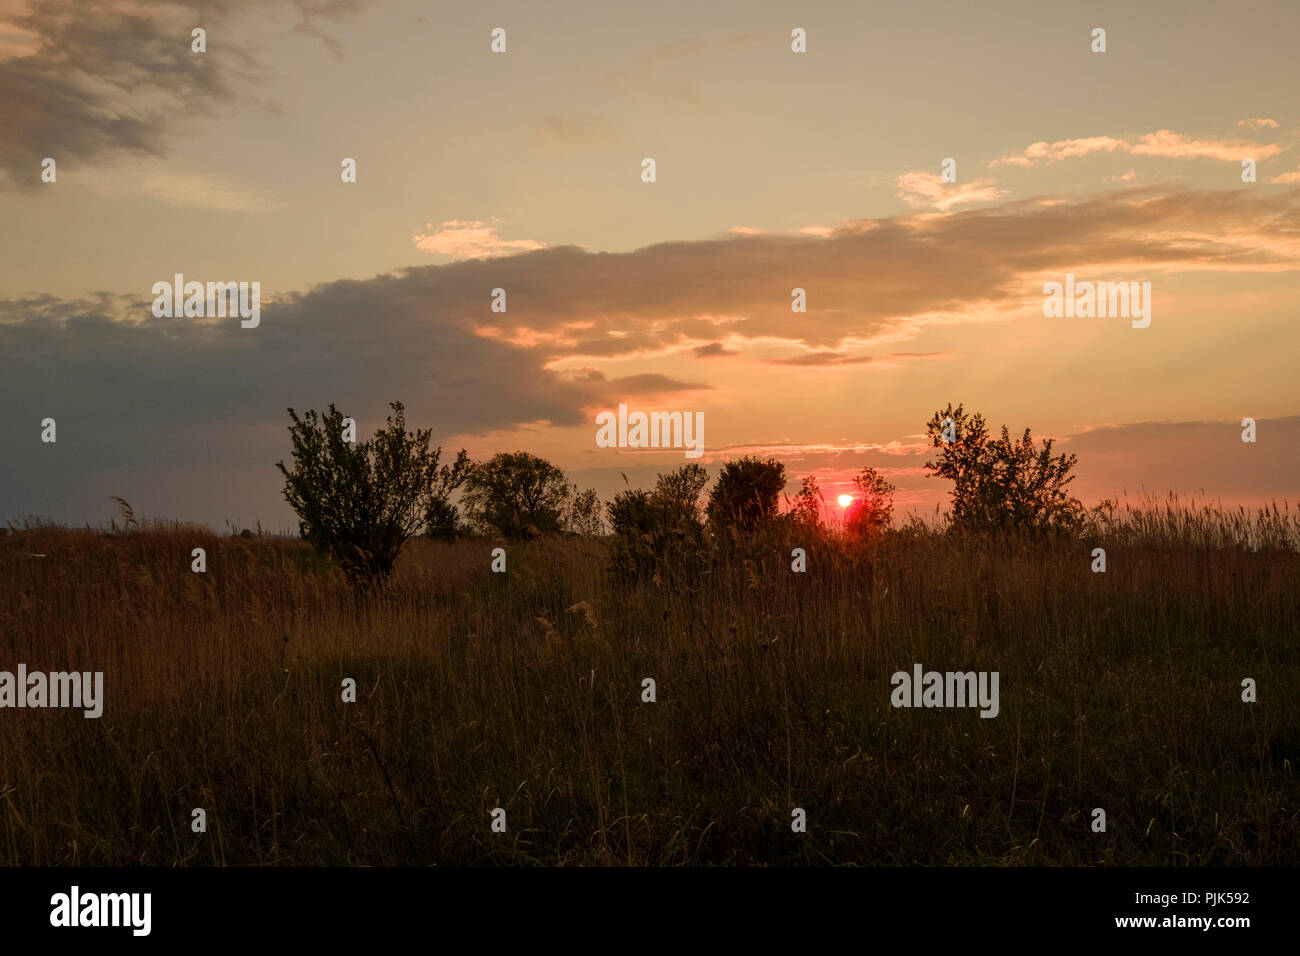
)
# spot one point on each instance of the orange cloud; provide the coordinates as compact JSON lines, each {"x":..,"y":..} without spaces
{"x":928,"y":190}
{"x":830,"y":357}
{"x":1042,"y":152}
{"x":1163,"y":143}
{"x":1173,"y":146}
{"x":870,"y":281}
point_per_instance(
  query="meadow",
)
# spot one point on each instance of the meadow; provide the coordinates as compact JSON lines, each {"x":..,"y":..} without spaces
{"x":1119,"y":690}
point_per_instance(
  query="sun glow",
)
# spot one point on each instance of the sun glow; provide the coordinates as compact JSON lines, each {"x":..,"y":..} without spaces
{"x":845,"y":500}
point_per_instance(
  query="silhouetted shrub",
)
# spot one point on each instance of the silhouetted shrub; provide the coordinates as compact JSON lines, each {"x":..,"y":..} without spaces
{"x":660,"y":532}
{"x":516,"y":495}
{"x":359,"y":502}
{"x":872,"y":509}
{"x":746,"y":494}
{"x":1001,"y":484}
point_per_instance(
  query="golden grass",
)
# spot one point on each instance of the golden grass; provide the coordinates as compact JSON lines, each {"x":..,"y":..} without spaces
{"x":1118,"y":690}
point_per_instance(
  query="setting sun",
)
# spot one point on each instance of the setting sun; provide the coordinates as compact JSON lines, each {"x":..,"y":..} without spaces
{"x":845,"y":500}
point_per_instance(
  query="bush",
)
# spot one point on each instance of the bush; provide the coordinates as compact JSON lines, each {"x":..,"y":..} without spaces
{"x":516,"y":495}
{"x":747,"y":494}
{"x":1001,"y":485}
{"x":659,"y":532}
{"x":873,"y":507}
{"x":357,"y":503}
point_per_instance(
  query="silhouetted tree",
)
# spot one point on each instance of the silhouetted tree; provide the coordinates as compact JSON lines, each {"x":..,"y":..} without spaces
{"x":680,"y":491}
{"x":583,"y":512}
{"x":516,"y":495}
{"x":872,"y":508}
{"x":1001,"y":484}
{"x":358,"y":503}
{"x":746,"y":494}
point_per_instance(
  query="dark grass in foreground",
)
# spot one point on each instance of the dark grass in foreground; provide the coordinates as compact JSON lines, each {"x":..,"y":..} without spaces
{"x":1118,"y":690}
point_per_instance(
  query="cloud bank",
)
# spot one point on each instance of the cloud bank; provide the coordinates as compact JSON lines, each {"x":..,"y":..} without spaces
{"x":194,"y":409}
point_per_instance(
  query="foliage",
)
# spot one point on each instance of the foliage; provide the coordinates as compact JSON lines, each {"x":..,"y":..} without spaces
{"x":873,"y":506}
{"x":659,"y":532}
{"x":746,"y":494}
{"x":1001,"y":484}
{"x":680,"y":492}
{"x":359,"y":502}
{"x":805,"y":509}
{"x":442,"y":521}
{"x":583,"y":513}
{"x":516,"y":495}
{"x":470,"y":696}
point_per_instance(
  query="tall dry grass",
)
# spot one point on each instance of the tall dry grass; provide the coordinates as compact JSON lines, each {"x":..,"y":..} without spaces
{"x":476,"y":690}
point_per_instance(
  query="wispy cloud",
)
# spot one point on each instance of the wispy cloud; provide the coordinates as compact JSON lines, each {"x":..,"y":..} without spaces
{"x":1162,"y":143}
{"x":185,"y":190}
{"x":16,"y":41}
{"x":832,"y":450}
{"x":928,"y":190}
{"x":310,"y":12}
{"x":81,"y":80}
{"x":1043,"y":152}
{"x":825,"y":358}
{"x":561,"y":135}
{"x":1174,"y":146}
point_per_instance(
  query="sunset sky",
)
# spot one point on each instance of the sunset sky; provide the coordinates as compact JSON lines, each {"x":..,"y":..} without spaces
{"x":522,"y":170}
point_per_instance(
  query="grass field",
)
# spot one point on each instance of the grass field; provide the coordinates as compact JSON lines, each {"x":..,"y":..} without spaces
{"x":1119,"y":690}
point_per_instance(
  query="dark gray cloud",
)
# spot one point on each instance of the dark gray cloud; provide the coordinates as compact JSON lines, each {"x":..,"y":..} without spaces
{"x":105,"y":78}
{"x":191,"y":413}
{"x":713,"y":350}
{"x":196,"y":402}
{"x":650,"y":383}
{"x":870,"y":276}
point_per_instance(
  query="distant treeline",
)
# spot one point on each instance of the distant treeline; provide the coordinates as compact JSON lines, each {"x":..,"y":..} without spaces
{"x":358,"y":501}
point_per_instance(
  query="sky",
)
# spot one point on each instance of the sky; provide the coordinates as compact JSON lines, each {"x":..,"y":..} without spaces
{"x":522,"y":170}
